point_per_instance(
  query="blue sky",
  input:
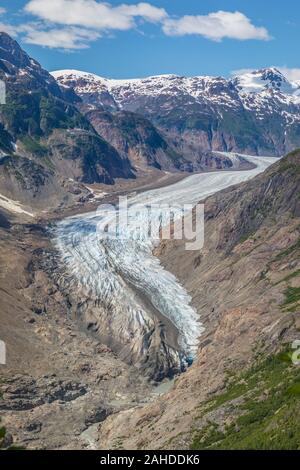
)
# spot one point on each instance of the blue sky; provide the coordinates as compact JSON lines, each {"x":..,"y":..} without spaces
{"x":124,"y":39}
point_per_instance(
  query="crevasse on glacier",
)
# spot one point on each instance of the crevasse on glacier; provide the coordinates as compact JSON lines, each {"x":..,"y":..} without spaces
{"x":106,"y":266}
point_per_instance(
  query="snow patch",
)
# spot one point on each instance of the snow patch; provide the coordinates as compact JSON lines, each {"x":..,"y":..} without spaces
{"x":13,"y":206}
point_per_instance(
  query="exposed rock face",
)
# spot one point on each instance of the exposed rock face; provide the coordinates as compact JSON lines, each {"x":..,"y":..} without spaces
{"x":87,"y":157}
{"x":22,"y":69}
{"x":26,"y":393}
{"x":255,"y":113}
{"x":61,"y":381}
{"x":245,"y":286}
{"x":88,"y":87}
{"x":136,"y":138}
{"x":81,"y":395}
{"x":43,"y":130}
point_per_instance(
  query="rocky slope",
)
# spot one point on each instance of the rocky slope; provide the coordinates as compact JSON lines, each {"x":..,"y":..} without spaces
{"x":59,"y":381}
{"x":243,"y":390}
{"x":135,"y":138}
{"x":255,"y":113}
{"x":47,"y":147}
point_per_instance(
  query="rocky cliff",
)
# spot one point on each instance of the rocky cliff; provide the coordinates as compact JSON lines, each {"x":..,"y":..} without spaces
{"x":137,"y":139}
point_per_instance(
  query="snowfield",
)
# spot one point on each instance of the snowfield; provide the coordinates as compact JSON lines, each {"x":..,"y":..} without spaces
{"x":255,"y":90}
{"x":13,"y":206}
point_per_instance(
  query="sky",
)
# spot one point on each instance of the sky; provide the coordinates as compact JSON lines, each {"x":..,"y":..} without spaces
{"x":129,"y":39}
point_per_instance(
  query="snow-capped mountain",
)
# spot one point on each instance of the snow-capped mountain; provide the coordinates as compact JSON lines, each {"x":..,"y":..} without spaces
{"x":125,"y":93}
{"x":258,"y":81}
{"x":254,"y":112}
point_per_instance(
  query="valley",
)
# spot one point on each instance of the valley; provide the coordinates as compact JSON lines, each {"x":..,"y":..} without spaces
{"x":75,"y":289}
{"x":133,"y":342}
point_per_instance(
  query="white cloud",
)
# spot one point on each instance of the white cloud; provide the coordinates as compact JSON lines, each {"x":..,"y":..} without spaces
{"x":292,"y":74}
{"x":69,"y":38}
{"x":93,"y":14}
{"x":83,"y":21}
{"x":73,"y":24}
{"x":237,"y":72}
{"x":6,"y":28}
{"x":9,"y":29}
{"x":216,"y":26}
{"x":145,"y":11}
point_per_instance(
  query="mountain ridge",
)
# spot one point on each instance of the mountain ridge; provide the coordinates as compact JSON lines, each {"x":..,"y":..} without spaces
{"x":210,"y":113}
{"x":269,"y":75}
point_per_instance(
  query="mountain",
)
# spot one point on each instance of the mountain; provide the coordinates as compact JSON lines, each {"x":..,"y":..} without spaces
{"x":242,"y":391}
{"x":58,"y":135}
{"x":130,"y":133}
{"x":48,"y":149}
{"x":255,"y":112}
{"x":266,"y":79}
{"x":137,"y":139}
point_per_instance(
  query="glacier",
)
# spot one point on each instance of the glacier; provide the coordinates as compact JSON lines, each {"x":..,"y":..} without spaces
{"x":122,"y":277}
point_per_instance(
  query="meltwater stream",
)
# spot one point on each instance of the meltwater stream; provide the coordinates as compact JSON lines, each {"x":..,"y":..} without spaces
{"x":125,"y":278}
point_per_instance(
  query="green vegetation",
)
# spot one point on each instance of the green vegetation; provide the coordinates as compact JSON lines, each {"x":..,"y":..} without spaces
{"x":268,"y":409}
{"x":202,"y":122}
{"x":5,"y":140}
{"x":55,"y":114}
{"x":289,"y":277}
{"x":243,"y":128}
{"x":234,"y":391}
{"x":247,"y":236}
{"x":290,"y":163}
{"x":294,"y":389}
{"x":139,"y":131}
{"x":2,"y":432}
{"x":33,"y":146}
{"x":292,"y":296}
{"x":38,"y":114}
{"x":294,"y":248}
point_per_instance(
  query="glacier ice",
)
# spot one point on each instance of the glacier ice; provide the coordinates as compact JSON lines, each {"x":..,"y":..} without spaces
{"x":110,"y":270}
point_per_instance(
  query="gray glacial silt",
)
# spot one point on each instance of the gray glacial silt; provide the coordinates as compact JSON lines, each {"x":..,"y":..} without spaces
{"x":124,"y":295}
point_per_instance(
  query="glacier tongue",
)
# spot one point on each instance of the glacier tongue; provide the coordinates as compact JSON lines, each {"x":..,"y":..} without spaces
{"x":126,"y":292}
